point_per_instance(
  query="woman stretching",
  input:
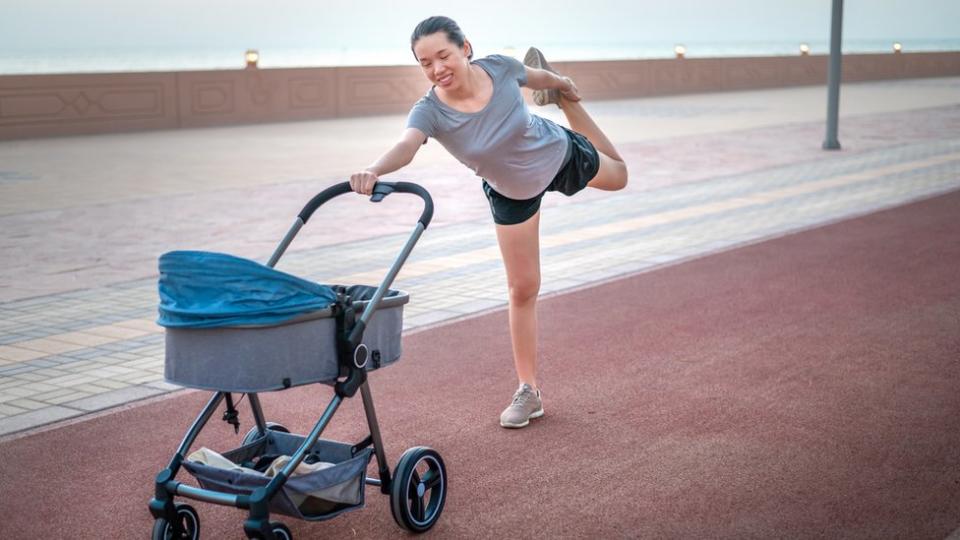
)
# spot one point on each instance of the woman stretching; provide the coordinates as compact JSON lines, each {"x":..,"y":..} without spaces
{"x":476,"y":111}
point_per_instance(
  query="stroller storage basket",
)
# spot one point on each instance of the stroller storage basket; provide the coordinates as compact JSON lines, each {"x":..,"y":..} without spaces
{"x":314,"y":496}
{"x":274,"y":357}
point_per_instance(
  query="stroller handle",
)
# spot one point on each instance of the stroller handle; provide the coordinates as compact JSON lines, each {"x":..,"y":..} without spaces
{"x":380,"y":190}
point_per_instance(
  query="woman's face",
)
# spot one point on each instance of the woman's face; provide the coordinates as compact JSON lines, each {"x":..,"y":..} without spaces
{"x":442,"y":61}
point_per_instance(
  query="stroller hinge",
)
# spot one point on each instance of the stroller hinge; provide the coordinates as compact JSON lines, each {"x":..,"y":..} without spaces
{"x":231,"y":416}
{"x":349,"y":386}
{"x":361,"y":445}
{"x":349,"y":335}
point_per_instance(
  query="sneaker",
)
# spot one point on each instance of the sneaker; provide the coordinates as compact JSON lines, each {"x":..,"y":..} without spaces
{"x":534,"y":58}
{"x":526,"y":405}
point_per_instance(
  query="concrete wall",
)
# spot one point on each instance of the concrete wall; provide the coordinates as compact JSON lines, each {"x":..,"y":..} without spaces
{"x":49,"y":105}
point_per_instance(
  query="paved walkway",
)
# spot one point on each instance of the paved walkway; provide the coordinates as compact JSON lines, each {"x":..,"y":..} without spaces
{"x":709,"y":173}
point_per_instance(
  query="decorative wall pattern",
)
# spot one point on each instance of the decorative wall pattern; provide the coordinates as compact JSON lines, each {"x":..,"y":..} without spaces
{"x":312,"y":93}
{"x":32,"y":106}
{"x":383,"y":90}
{"x":48,"y":105}
{"x":78,"y":103}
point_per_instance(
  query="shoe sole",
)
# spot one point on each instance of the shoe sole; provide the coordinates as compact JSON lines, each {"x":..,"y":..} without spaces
{"x":535,"y":59}
{"x":534,"y":414}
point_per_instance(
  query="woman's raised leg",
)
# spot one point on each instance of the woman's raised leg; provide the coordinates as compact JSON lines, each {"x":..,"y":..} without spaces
{"x":612,"y":175}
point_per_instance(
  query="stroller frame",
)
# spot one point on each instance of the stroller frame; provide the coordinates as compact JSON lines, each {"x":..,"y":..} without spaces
{"x":352,"y":357}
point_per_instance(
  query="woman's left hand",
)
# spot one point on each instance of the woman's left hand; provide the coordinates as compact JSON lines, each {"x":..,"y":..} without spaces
{"x":571,"y":93}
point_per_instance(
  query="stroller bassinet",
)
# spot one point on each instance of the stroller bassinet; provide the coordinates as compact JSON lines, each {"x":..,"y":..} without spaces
{"x":300,"y":351}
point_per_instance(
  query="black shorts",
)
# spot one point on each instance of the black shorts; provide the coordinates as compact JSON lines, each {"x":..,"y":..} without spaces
{"x":580,"y":166}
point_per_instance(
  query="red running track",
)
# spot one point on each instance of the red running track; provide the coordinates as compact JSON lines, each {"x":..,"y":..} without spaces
{"x":802,"y":387}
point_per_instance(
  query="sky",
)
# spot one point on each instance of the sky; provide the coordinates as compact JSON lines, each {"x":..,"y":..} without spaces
{"x":375,"y":24}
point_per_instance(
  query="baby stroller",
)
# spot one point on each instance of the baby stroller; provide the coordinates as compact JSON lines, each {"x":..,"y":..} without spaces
{"x":355,"y":330}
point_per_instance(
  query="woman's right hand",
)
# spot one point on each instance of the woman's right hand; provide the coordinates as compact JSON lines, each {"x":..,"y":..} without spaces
{"x":571,"y":92}
{"x":363,"y":181}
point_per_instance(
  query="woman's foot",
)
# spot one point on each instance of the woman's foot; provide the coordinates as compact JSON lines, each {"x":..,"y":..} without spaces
{"x":534,"y":58}
{"x":526,"y":405}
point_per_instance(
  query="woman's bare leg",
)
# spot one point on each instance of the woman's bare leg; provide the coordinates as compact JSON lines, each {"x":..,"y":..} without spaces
{"x":520,"y":248}
{"x":612,"y":175}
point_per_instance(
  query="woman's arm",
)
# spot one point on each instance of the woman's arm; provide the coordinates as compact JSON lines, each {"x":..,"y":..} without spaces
{"x":541,"y":79}
{"x":394,"y":159}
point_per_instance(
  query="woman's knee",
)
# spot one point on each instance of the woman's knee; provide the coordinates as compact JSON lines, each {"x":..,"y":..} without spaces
{"x":620,"y":175}
{"x":523,"y":290}
{"x":612,"y":175}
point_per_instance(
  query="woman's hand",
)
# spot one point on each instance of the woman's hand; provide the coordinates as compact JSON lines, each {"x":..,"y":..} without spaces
{"x":363,"y":181}
{"x":570,"y":92}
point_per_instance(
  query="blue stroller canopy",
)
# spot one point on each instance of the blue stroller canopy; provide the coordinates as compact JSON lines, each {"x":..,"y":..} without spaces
{"x":208,"y":290}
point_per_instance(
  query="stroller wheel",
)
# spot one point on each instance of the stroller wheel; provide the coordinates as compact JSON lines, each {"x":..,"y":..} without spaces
{"x":280,"y":531}
{"x":418,"y":489}
{"x":253,"y":433}
{"x":189,"y":525}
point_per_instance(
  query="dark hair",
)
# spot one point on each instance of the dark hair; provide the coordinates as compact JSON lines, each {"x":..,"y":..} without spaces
{"x":436,"y":24}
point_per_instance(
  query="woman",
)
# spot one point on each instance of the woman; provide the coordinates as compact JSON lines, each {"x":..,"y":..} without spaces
{"x":476,"y":111}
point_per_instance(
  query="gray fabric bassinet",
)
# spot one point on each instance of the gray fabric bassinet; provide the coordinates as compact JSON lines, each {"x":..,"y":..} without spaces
{"x":274,"y":357}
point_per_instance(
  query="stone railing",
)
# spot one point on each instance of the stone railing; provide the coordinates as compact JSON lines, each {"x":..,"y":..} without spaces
{"x":48,"y":105}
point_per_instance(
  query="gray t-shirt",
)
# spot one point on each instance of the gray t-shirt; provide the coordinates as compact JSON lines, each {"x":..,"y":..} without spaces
{"x":518,"y":153}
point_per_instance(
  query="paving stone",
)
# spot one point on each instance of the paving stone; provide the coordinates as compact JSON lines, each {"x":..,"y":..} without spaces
{"x":9,"y":338}
{"x":116,"y":331}
{"x":165,"y":386}
{"x":70,"y":395}
{"x":86,"y":354}
{"x":36,"y":418}
{"x":31,"y":376}
{"x":474,"y":306}
{"x":431,"y":317}
{"x":18,"y":354}
{"x":83,"y":338}
{"x":57,"y":393}
{"x":111,"y":384}
{"x":68,"y":380}
{"x":26,"y":404}
{"x":45,"y":362}
{"x":114,"y":398}
{"x":14,"y":369}
{"x":9,"y":410}
{"x":145,"y":378}
{"x":27,"y":389}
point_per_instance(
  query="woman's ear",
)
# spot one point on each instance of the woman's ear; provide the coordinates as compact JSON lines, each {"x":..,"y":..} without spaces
{"x":468,"y":49}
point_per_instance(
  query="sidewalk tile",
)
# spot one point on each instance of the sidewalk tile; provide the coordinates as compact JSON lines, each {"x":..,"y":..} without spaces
{"x":116,"y":331}
{"x":36,"y":418}
{"x":26,"y":404}
{"x":9,"y":410}
{"x":69,"y":395}
{"x":114,"y":398}
{"x":18,"y":354}
{"x":83,"y":338}
{"x":145,"y":325}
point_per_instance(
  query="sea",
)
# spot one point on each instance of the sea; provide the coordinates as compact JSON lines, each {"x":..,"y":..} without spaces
{"x":127,"y":59}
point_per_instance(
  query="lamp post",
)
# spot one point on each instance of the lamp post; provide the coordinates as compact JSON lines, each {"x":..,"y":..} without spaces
{"x":252,"y":57}
{"x":680,"y":51}
{"x":833,"y":78}
{"x":897,"y":47}
{"x":804,"y":49}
